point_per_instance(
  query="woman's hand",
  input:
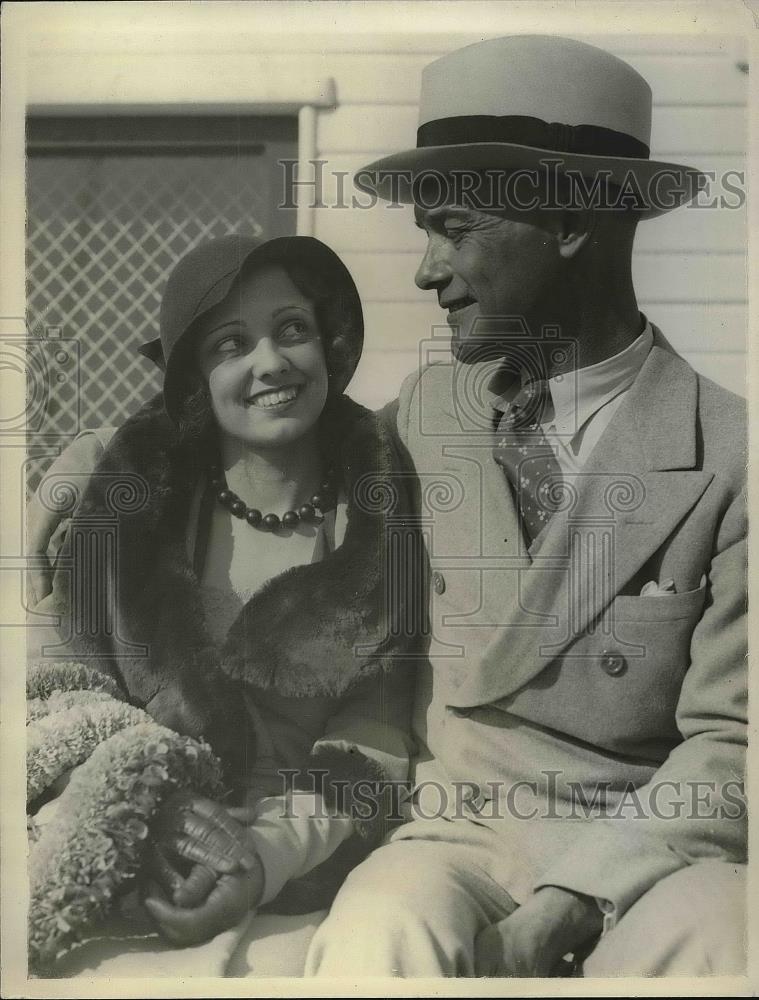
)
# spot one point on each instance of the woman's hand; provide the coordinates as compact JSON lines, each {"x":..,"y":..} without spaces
{"x":191,"y":829}
{"x":181,"y":888}
{"x":231,"y":897}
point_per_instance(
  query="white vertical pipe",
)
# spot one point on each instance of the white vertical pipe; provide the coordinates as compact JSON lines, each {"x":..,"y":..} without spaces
{"x":306,"y":153}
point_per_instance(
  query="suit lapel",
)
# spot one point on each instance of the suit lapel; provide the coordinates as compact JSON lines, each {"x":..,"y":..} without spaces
{"x":636,"y":487}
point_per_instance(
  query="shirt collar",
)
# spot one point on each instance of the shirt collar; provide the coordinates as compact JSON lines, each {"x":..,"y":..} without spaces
{"x":578,"y":394}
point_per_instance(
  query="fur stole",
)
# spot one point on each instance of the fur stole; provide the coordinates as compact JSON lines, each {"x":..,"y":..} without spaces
{"x":317,"y":629}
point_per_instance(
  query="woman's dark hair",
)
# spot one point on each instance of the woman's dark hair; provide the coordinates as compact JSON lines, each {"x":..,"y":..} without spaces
{"x":196,"y":422}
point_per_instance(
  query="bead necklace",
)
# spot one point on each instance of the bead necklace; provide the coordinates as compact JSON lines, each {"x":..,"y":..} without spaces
{"x":320,"y":503}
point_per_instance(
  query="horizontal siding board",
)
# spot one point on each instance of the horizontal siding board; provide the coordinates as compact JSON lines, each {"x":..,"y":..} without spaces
{"x":674,"y":79}
{"x":658,"y":277}
{"x":386,"y":128}
{"x":408,"y":37}
{"x":709,"y":329}
{"x":728,"y":370}
{"x":698,"y":230}
{"x":695,"y":277}
{"x":718,"y":328}
{"x":692,"y":79}
{"x":380,"y":374}
{"x":185,"y":78}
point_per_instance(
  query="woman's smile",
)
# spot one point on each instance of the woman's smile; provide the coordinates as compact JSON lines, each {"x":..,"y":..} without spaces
{"x":274,"y":400}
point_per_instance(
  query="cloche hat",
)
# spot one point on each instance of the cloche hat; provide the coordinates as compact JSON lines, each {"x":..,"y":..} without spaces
{"x":204,"y":277}
{"x":512,"y":102}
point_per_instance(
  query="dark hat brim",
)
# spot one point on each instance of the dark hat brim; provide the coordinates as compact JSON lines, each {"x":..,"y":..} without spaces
{"x":153,"y":351}
{"x":662,"y":186}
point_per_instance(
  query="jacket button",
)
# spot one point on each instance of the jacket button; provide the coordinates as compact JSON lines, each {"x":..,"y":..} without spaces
{"x":438,"y":582}
{"x":613,"y":663}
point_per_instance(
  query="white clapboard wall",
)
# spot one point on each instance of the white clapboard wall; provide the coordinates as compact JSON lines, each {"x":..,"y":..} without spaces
{"x":690,"y":265}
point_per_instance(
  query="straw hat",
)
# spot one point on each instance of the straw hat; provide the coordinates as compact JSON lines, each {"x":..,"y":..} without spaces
{"x":514,"y":102}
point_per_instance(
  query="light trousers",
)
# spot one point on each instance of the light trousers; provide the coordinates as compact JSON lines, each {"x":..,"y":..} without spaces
{"x":415,"y":907}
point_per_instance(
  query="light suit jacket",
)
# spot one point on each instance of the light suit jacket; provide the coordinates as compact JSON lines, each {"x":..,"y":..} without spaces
{"x":550,"y":676}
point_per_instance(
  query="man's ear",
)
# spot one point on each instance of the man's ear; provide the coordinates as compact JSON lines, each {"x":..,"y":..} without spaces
{"x":575,"y":229}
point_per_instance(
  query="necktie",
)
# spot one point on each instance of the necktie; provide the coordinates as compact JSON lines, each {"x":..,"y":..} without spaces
{"x":526,"y":457}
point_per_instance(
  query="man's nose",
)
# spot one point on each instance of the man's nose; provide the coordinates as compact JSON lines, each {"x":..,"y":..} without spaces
{"x":433,"y":271}
{"x":266,"y":359}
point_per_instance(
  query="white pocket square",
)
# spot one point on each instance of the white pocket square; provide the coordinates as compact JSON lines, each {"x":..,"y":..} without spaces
{"x":654,"y":589}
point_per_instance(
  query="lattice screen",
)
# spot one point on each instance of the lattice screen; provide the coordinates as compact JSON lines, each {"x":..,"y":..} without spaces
{"x":105,"y":226}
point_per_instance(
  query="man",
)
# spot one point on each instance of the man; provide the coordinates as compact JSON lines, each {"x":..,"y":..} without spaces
{"x":582,"y":723}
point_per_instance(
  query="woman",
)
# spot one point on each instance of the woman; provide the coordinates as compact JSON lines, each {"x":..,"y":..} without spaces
{"x":251,"y":603}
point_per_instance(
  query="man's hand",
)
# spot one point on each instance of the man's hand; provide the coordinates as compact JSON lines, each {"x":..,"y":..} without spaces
{"x":41,"y":524}
{"x":532,"y":941}
{"x":77,"y":461}
{"x":231,"y":897}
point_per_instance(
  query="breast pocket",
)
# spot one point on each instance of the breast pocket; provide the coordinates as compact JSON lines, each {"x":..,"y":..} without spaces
{"x":642,"y":662}
{"x":661,"y":608}
{"x":618,"y":684}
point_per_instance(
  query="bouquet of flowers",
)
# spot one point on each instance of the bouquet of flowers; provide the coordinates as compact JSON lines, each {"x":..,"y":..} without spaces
{"x":121,"y":764}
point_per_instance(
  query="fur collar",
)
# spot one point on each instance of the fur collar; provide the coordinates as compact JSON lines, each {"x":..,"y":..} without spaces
{"x":314,"y":630}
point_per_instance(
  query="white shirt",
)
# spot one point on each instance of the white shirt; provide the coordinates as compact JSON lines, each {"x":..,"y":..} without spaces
{"x":585,"y":400}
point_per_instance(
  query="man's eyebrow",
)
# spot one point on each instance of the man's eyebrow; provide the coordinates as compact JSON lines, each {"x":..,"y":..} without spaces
{"x":450,"y":210}
{"x":432,"y":215}
{"x":424,"y":216}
